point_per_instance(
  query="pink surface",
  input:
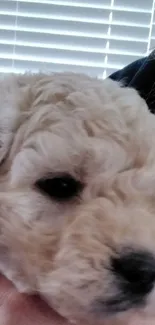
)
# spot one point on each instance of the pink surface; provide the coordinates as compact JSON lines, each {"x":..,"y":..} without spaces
{"x":19,"y":309}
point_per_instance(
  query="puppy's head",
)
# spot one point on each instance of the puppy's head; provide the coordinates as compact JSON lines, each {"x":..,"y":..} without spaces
{"x":77,"y":195}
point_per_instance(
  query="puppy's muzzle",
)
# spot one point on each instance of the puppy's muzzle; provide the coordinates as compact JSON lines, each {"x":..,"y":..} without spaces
{"x":134,"y":274}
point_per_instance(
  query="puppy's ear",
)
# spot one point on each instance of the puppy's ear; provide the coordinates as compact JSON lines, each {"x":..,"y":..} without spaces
{"x":9,"y":112}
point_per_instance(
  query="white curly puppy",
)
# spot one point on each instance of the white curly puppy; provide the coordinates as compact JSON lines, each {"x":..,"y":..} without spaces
{"x":77,"y":195}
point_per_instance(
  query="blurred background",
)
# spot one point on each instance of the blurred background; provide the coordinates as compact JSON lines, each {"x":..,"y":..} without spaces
{"x":97,"y":37}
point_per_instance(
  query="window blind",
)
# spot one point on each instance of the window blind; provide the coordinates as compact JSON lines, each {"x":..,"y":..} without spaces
{"x":92,"y":36}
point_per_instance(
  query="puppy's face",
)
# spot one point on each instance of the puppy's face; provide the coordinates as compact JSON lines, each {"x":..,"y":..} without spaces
{"x":77,"y":198}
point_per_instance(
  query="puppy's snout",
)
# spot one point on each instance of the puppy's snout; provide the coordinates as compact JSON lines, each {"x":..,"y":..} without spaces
{"x":136,"y":272}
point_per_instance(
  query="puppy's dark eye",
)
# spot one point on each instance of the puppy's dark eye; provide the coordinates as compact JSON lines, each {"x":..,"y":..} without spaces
{"x":60,"y":188}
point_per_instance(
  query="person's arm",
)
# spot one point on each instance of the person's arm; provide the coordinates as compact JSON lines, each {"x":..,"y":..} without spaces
{"x":128,"y":73}
{"x":141,"y":76}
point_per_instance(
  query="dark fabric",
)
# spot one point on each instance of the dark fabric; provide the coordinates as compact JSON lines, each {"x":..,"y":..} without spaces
{"x":141,"y":76}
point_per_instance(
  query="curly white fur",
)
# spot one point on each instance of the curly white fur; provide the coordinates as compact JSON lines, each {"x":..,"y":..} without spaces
{"x":103,"y":135}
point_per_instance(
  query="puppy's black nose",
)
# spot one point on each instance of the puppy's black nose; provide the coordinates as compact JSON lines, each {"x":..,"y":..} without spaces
{"x":136,"y":272}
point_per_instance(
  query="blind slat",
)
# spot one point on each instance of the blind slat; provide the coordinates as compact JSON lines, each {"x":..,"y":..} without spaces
{"x":23,"y":63}
{"x":137,"y":20}
{"x":75,"y":28}
{"x":76,"y":3}
{"x":44,"y":49}
{"x":46,"y":54}
{"x":135,"y":4}
{"x":127,"y":5}
{"x":61,"y":41}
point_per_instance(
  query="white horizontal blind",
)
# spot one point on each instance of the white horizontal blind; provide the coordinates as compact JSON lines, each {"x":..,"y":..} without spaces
{"x":92,"y":36}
